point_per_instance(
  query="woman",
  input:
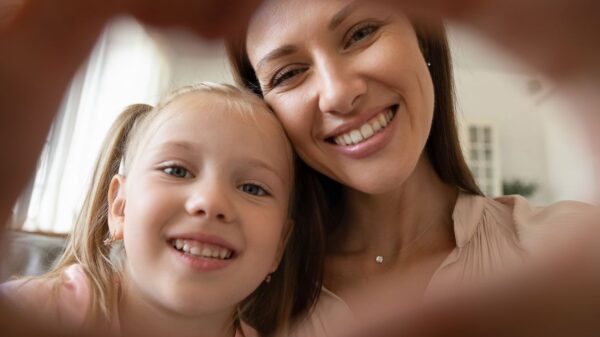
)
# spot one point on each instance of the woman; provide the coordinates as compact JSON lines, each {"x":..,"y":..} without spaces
{"x":365,"y":96}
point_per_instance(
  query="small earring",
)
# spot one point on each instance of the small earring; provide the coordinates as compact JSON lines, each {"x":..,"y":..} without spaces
{"x":268,"y":278}
{"x":429,"y":64}
{"x":109,"y":241}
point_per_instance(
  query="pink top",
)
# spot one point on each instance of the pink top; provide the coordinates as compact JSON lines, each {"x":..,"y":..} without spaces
{"x":70,"y":306}
{"x":72,"y":303}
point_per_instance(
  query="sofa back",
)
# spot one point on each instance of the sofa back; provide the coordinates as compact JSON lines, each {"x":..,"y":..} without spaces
{"x":29,"y":253}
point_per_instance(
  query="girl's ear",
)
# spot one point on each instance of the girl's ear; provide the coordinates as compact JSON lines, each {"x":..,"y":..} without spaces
{"x":285,"y":237}
{"x":116,"y":207}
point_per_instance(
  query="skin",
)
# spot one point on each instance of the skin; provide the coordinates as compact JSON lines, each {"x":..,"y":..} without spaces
{"x":40,"y":54}
{"x":193,"y":177}
{"x":341,"y":78}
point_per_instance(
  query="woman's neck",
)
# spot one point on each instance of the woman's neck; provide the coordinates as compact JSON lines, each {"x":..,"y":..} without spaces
{"x":399,"y":224}
{"x":140,"y":315}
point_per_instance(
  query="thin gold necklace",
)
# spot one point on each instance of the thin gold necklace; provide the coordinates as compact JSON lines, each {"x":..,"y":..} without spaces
{"x":380,"y":258}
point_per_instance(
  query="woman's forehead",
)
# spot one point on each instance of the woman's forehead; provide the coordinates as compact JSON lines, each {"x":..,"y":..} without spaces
{"x":292,"y":15}
{"x":280,"y":23}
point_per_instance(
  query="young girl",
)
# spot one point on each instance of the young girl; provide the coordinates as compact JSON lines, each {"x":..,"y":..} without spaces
{"x":187,"y":228}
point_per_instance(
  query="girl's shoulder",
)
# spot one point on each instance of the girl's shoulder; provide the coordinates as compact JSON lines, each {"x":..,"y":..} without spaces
{"x":63,"y":298}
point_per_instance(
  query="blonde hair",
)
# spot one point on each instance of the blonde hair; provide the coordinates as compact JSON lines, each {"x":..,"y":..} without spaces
{"x":269,"y":309}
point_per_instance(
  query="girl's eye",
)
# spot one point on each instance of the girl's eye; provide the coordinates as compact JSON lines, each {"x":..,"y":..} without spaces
{"x":360,"y":33}
{"x":284,"y":75}
{"x":253,"y":189}
{"x":177,"y":171}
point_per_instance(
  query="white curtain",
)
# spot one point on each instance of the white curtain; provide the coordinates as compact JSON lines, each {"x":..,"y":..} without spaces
{"x":126,"y":67}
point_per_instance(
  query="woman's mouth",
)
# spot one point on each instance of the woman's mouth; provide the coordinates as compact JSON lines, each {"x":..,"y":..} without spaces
{"x":367,"y":130}
{"x":202,"y":250}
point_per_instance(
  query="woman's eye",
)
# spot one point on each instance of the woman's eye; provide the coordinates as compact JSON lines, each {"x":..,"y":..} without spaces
{"x":360,"y":33}
{"x":253,"y":189}
{"x":284,"y":76}
{"x":177,"y":171}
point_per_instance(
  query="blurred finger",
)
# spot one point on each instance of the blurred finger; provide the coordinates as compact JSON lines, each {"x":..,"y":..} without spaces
{"x":209,"y":18}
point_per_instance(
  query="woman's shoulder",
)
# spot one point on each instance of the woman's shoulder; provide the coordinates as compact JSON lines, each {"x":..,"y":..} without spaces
{"x":499,"y":234}
{"x":515,"y":220}
{"x":64,"y":297}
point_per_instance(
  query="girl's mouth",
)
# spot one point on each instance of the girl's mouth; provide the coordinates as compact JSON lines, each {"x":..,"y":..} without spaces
{"x":203,"y":250}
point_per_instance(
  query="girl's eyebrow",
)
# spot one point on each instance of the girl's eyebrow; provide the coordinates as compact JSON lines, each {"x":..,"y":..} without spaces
{"x":187,"y":146}
{"x":260,"y":164}
{"x":172,"y":145}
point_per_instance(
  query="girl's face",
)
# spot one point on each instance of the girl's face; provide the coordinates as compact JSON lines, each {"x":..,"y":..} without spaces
{"x":204,"y":206}
{"x":350,"y":85}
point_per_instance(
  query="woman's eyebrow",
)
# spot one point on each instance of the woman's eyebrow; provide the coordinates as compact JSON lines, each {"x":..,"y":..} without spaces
{"x":276,"y":53}
{"x":340,"y":16}
{"x":285,"y":50}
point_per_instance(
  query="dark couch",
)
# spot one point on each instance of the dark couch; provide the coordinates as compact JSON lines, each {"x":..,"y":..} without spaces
{"x":29,"y":253}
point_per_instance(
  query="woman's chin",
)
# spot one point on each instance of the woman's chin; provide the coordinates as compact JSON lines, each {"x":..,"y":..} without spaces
{"x":376,"y":183}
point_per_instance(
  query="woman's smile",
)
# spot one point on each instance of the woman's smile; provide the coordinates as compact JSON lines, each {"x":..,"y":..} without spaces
{"x":368,"y":138}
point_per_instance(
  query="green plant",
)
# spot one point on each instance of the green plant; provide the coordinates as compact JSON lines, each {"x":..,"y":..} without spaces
{"x":517,"y":186}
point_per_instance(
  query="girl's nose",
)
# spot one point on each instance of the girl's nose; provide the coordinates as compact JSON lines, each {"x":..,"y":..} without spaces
{"x":212,"y":202}
{"x":340,"y":87}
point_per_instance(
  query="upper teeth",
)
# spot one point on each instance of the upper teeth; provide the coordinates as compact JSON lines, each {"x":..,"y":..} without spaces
{"x":366,"y":130}
{"x":202,"y":249}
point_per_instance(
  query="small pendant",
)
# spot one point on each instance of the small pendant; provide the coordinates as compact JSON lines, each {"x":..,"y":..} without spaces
{"x":379,"y":259}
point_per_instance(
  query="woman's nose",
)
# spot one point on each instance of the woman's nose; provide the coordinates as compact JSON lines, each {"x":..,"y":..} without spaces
{"x":340,"y":87}
{"x":210,"y":201}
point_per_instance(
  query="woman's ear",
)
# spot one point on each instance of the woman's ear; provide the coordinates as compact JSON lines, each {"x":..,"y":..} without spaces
{"x":116,"y":207}
{"x":285,"y":237}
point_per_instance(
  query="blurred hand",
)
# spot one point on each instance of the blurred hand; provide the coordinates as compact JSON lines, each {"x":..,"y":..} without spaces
{"x":558,"y":37}
{"x":42,"y":44}
{"x":209,"y":18}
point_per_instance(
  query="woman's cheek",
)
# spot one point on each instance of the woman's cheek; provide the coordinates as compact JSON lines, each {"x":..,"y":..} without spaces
{"x":292,"y":115}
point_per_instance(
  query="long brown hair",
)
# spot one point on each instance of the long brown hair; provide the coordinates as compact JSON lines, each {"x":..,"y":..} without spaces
{"x":294,"y":287}
{"x":443,"y":145}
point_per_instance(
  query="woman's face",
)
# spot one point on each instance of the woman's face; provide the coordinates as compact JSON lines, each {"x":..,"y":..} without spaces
{"x":350,"y":85}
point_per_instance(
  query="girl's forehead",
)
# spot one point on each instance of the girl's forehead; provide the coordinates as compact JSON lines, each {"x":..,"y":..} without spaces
{"x":215,"y":123}
{"x":216,"y":108}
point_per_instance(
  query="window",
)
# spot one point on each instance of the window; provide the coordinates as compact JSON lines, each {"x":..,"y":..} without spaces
{"x":481,"y":152}
{"x":125,"y":67}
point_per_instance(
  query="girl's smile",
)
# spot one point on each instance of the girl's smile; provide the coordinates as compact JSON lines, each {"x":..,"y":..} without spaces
{"x":202,"y":252}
